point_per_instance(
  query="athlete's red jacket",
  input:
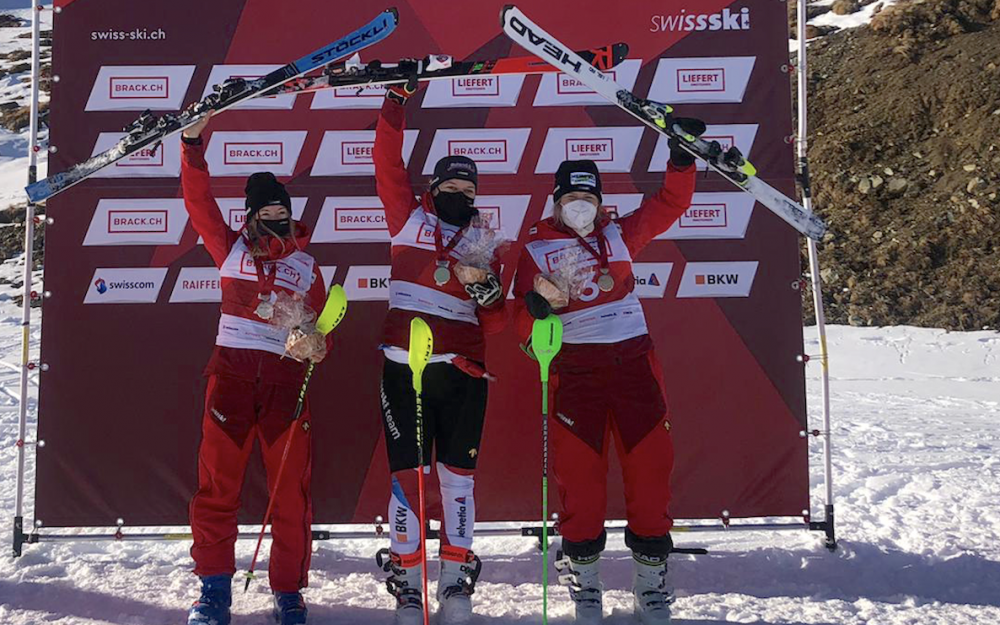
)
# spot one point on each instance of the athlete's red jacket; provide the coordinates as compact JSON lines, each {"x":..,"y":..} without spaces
{"x":247,"y":347}
{"x":458,"y":324}
{"x":604,"y":327}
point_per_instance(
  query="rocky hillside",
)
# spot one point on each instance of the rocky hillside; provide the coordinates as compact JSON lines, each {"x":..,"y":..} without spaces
{"x":905,"y":131}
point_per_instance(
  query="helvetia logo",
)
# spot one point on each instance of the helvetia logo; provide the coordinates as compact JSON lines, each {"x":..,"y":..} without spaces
{"x":463,"y":517}
{"x":651,"y":281}
{"x":727,"y":19}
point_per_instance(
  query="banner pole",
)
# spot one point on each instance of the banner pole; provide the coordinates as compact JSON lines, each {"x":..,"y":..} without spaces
{"x":816,"y":279}
{"x":29,"y":237}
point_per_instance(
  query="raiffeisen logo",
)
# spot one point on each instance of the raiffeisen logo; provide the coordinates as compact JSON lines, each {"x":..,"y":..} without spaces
{"x":727,"y":19}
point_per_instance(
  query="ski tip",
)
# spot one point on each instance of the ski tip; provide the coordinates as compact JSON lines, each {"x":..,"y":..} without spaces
{"x":503,"y":13}
{"x":619,"y":51}
{"x":394,"y":12}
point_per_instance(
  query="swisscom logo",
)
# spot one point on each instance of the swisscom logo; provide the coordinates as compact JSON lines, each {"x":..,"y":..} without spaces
{"x":125,"y":286}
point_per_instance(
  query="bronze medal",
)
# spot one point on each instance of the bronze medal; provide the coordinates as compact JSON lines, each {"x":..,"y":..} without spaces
{"x":606,"y":283}
{"x":265,"y":309}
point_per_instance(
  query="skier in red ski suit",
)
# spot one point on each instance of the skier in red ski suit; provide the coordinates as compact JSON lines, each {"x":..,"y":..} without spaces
{"x":253,"y":387}
{"x":607,"y":381}
{"x":431,"y":280}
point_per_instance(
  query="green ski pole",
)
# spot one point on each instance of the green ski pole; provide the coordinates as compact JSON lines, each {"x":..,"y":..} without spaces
{"x":546,"y":341}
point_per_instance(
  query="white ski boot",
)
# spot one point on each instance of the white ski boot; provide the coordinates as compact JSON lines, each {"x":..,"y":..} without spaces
{"x":652,"y":589}
{"x":583,"y":577}
{"x":405,"y":584}
{"x":460,"y":569}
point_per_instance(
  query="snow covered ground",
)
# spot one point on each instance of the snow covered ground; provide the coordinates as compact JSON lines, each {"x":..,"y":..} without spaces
{"x":917,"y":464}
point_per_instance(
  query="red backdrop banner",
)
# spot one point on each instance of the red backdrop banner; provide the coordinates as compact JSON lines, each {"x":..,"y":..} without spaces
{"x":134,"y":305}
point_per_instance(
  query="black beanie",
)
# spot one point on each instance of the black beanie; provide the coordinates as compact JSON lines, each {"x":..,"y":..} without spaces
{"x":577,"y":176}
{"x":263,"y":189}
{"x":455,"y":167}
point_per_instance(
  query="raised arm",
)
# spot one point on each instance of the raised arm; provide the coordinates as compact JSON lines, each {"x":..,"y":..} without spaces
{"x":658,"y":212}
{"x":198,"y":199}
{"x":391,"y":178}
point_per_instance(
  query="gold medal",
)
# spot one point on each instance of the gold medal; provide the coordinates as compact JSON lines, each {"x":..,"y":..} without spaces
{"x":606,"y":283}
{"x":442,"y":275}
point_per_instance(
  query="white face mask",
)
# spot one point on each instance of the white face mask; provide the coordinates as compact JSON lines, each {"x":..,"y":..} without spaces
{"x":579,"y":215}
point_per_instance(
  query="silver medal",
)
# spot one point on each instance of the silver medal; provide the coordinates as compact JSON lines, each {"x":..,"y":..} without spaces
{"x":442,"y":275}
{"x":265,"y":309}
{"x":605,"y":282}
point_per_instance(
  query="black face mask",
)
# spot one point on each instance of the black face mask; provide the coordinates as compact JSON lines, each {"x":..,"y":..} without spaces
{"x":455,"y":208}
{"x":280,"y":227}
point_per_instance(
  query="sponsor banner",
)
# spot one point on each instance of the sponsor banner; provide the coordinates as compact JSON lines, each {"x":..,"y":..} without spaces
{"x":367,"y":283}
{"x":564,"y":90}
{"x":328,"y":272}
{"x":702,"y":80}
{"x":495,"y":151}
{"x":651,"y":279}
{"x":140,"y":87}
{"x":234,"y":211}
{"x":163,"y":162}
{"x":349,"y":152}
{"x":471,"y":91}
{"x":617,"y":204}
{"x":125,"y":286}
{"x":137,"y":222}
{"x":243,"y":153}
{"x":714,"y":216}
{"x":613,"y":149}
{"x":351,"y":219}
{"x":728,"y":135}
{"x":504,"y":213}
{"x":197,"y":284}
{"x":727,"y":279}
{"x":222,"y":73}
{"x":366,"y":97}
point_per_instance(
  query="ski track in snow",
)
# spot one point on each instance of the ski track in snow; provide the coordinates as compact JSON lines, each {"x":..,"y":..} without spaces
{"x":917,"y":485}
{"x":916,"y":462}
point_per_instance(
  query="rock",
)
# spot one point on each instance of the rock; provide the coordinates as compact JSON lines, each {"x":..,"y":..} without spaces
{"x":877,"y":235}
{"x":974,"y":203}
{"x":888,"y":171}
{"x":865,"y":185}
{"x":969,"y":167}
{"x":9,"y":21}
{"x":969,"y":188}
{"x":845,"y":7}
{"x":819,"y":31}
{"x":877,"y":181}
{"x":897,"y":186}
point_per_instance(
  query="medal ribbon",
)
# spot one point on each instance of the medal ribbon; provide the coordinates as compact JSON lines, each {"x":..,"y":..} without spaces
{"x":266,"y":282}
{"x":601,"y":254}
{"x":444,"y":251}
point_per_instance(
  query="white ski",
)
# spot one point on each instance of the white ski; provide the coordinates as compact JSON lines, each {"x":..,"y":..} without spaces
{"x":730,"y":164}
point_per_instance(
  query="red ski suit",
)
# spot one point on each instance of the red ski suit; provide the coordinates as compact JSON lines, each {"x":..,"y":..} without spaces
{"x":607,"y":368}
{"x":252,"y":392}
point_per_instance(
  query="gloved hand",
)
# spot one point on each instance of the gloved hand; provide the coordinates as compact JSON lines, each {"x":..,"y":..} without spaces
{"x":678,"y":156}
{"x":400,"y":93}
{"x":486,"y":293}
{"x":538,"y":306}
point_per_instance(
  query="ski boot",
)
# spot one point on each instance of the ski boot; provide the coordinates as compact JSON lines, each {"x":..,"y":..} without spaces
{"x":404,"y":583}
{"x":652,"y":589}
{"x":460,"y":569}
{"x":583,"y":577}
{"x":212,"y":607}
{"x":289,"y":608}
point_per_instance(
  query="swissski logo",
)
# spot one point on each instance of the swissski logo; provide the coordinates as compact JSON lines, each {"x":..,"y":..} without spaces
{"x":367,"y":282}
{"x":474,"y":91}
{"x":162,"y":162}
{"x":349,"y":152}
{"x":612,"y":148}
{"x":222,"y":73}
{"x":351,"y":219}
{"x":728,"y":135}
{"x":125,"y":285}
{"x":243,"y":153}
{"x":651,"y":279}
{"x":197,"y":284}
{"x":728,"y":19}
{"x":702,"y":80}
{"x":722,"y":279}
{"x":495,"y":151}
{"x":139,"y":221}
{"x":140,"y":87}
{"x":565,"y":90}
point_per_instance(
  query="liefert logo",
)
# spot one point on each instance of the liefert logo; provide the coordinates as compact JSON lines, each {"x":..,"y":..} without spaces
{"x":102,"y":287}
{"x":727,"y":19}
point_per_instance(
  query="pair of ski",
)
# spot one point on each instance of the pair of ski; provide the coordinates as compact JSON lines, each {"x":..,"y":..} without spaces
{"x":150,"y":130}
